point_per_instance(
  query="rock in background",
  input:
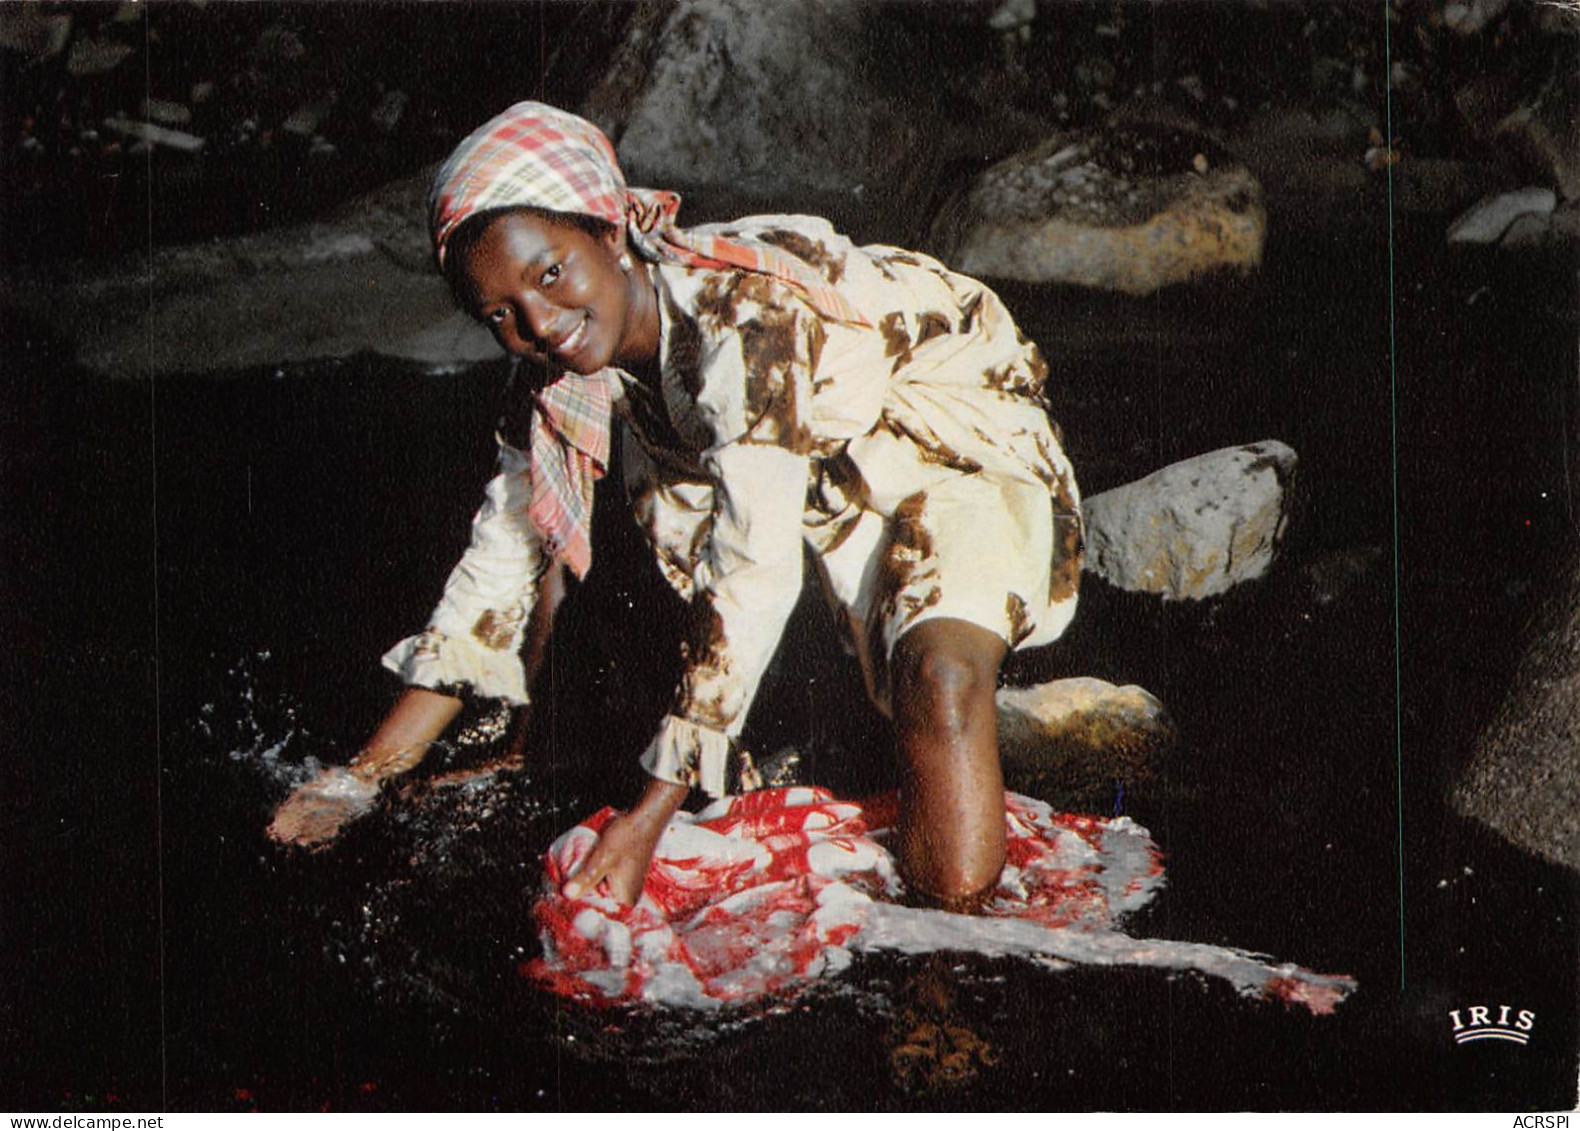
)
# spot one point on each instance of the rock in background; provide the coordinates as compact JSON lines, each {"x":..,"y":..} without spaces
{"x":1496,"y":218}
{"x":1524,"y":779}
{"x":820,"y":106}
{"x":1196,"y":528}
{"x":129,"y":124}
{"x":1077,"y":742}
{"x":136,"y":128}
{"x":1137,"y":206}
{"x":758,"y":97}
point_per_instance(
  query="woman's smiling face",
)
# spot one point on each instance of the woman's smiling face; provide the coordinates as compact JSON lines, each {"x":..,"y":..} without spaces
{"x":556,"y":294}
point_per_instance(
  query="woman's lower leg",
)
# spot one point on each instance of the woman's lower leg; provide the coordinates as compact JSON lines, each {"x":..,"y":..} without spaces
{"x":951,"y":828}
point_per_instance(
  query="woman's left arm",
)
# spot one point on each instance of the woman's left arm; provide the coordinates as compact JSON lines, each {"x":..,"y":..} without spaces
{"x":747,"y":581}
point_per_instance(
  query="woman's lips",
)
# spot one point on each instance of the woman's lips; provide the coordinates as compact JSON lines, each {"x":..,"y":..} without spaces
{"x":565,"y":349}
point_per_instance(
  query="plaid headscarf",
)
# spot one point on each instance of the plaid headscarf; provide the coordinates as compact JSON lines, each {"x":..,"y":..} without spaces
{"x":537,"y":156}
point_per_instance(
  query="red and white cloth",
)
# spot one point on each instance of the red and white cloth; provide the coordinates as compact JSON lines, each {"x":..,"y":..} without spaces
{"x":765,"y":892}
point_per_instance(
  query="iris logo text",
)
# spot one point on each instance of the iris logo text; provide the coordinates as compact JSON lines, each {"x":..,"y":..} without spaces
{"x":1492,"y":1023}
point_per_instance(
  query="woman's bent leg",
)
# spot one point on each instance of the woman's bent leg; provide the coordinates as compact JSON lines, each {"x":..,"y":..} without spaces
{"x":951,"y":829}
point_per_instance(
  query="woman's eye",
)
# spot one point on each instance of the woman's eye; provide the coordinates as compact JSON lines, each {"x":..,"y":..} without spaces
{"x":497,"y":316}
{"x":551,"y":275}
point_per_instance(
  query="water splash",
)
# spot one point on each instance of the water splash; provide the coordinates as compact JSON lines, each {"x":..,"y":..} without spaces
{"x":258,"y":722}
{"x":260,"y":729}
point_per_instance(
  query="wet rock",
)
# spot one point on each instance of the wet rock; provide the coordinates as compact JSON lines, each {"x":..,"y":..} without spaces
{"x":754,"y":98}
{"x":1133,"y":207}
{"x":1196,"y":528}
{"x":1012,"y":15}
{"x":387,"y":114}
{"x":1524,"y":778}
{"x":148,"y":134}
{"x":305,"y":119}
{"x":1530,"y":230}
{"x":1073,"y":742}
{"x":34,"y":30}
{"x":1469,"y":17}
{"x":163,"y":112}
{"x":1533,"y":117}
{"x":1558,"y":19}
{"x":1546,"y":138}
{"x":1488,"y":220}
{"x":454,"y":339}
{"x":96,"y":57}
{"x":637,"y":46}
{"x":360,"y":279}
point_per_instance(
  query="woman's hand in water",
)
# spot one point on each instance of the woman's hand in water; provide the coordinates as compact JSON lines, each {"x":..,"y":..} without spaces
{"x":317,"y":810}
{"x":618,"y":864}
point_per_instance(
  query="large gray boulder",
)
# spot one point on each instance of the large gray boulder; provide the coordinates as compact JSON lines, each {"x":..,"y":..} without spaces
{"x":764,"y":100}
{"x":1133,"y":207}
{"x":1196,"y":528}
{"x":1524,"y":778}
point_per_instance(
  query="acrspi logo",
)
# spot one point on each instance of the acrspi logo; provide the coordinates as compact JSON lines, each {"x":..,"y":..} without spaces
{"x":1478,"y":1023}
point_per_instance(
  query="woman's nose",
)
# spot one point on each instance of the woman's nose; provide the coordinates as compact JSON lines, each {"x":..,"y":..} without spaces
{"x":541,"y":318}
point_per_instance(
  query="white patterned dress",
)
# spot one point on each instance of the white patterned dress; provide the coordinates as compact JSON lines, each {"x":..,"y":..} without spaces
{"x":914,"y":456}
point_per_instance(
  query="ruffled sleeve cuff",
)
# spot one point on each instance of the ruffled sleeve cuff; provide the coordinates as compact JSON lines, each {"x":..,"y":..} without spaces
{"x":701,"y":757}
{"x":457,"y":665}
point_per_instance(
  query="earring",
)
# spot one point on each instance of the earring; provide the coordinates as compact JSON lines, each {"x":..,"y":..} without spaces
{"x":625,"y":263}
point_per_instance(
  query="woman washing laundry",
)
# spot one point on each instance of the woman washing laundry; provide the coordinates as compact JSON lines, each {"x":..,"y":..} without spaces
{"x":775,"y":385}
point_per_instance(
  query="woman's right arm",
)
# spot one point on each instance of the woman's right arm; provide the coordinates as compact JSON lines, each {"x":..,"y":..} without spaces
{"x":416,"y":720}
{"x":475,"y":634}
{"x":421,"y":715}
{"x":473,"y":640}
{"x":317,"y":810}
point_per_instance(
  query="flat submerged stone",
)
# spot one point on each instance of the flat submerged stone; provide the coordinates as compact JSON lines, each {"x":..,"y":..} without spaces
{"x":1074,"y":742}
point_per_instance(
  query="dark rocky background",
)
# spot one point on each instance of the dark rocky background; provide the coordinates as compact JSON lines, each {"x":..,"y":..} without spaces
{"x":279,"y":112}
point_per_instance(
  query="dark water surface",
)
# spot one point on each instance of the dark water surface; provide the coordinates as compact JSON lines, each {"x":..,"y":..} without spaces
{"x":204,"y":571}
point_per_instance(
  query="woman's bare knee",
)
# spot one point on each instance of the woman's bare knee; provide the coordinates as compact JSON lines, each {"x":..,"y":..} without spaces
{"x":951,"y":830}
{"x":944,"y":672}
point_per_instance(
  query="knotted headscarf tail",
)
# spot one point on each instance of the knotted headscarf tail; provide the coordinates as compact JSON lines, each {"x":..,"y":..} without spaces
{"x":537,"y":156}
{"x":569,"y":453}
